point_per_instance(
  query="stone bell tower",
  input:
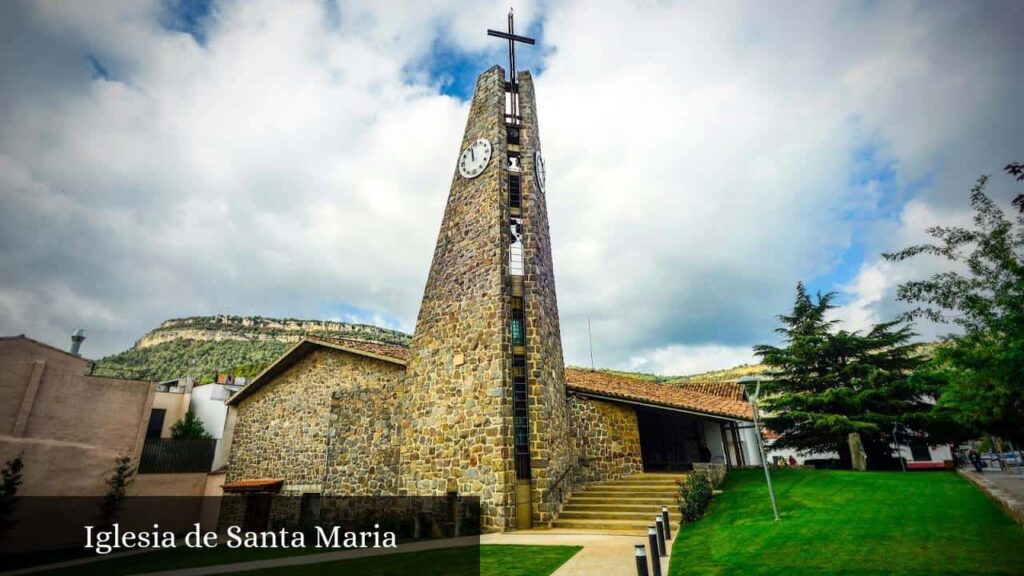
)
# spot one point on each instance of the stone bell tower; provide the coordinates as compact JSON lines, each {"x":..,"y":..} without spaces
{"x":484,"y":404}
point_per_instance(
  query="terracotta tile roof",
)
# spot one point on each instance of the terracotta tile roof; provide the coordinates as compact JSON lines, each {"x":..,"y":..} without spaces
{"x":731,"y":390}
{"x":669,"y":395}
{"x":393,"y":353}
{"x":382,"y":349}
{"x":255,"y":485}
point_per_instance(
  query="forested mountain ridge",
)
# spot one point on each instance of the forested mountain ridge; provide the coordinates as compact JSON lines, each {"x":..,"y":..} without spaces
{"x":203,"y":346}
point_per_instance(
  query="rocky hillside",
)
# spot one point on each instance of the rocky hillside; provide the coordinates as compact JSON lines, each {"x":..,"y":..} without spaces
{"x":259,"y":328}
{"x":202,"y":346}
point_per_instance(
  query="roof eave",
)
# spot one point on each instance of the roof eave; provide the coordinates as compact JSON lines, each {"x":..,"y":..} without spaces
{"x":661,"y":406}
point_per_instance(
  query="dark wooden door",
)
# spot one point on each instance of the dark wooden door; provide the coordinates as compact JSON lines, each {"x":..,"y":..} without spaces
{"x":257,"y":512}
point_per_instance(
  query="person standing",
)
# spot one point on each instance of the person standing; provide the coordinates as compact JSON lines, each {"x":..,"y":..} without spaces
{"x":975,"y":459}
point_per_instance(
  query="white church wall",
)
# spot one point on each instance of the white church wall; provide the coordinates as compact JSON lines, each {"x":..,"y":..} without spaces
{"x":750,"y":449}
{"x":713,"y":440}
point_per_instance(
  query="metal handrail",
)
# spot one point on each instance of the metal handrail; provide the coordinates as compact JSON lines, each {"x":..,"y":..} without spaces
{"x":557,"y":483}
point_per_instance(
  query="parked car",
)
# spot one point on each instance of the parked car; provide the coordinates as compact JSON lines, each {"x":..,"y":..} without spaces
{"x":1011,"y":458}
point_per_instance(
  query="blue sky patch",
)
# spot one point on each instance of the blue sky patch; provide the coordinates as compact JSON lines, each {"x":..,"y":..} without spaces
{"x":188,"y":16}
{"x":99,"y":71}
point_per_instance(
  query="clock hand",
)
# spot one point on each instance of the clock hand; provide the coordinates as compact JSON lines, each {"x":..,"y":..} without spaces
{"x":472,"y":156}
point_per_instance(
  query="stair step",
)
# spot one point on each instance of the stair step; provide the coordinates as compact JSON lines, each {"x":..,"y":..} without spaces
{"x":618,"y":507}
{"x":634,"y":487}
{"x":640,"y":527}
{"x":581,"y":499}
{"x":647,"y":480}
{"x":637,"y":484}
{"x":648,"y":517}
{"x":601,"y":493}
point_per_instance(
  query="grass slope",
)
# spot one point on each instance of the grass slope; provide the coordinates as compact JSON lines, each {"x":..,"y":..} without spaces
{"x":840,"y":522}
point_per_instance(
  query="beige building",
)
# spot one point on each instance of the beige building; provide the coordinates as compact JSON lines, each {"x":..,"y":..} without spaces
{"x":69,"y":427}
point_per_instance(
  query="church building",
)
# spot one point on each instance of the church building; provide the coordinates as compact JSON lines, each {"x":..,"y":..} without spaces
{"x":480,"y":403}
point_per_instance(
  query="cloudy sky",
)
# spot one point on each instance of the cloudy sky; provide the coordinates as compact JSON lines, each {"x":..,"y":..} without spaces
{"x":165,"y":159}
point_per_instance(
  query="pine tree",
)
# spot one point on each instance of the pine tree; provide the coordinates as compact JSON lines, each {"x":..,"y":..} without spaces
{"x":190,"y":427}
{"x":830,"y":383}
{"x":10,"y":480}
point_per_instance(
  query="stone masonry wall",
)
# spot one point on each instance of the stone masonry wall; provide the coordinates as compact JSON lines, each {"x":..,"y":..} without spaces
{"x":283,"y":427}
{"x":362,"y":443}
{"x":607,"y":437}
{"x":551,"y":446}
{"x":456,"y":408}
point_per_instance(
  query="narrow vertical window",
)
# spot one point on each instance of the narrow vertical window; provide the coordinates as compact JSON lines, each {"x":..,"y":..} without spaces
{"x":515,"y":197}
{"x":517,"y":321}
{"x":515,"y":251}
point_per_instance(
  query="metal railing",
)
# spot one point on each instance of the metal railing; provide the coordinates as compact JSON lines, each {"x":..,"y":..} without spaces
{"x":174,"y":456}
{"x":108,"y":371}
{"x":556,"y":493}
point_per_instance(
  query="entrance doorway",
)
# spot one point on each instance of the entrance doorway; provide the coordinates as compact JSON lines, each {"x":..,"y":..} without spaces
{"x":257,"y":512}
{"x":670,"y":441}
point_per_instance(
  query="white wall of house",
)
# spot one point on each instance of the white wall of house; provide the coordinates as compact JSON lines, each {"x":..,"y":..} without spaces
{"x":751,"y":452}
{"x":208,"y":405}
{"x":713,"y":440}
{"x":937,"y":453}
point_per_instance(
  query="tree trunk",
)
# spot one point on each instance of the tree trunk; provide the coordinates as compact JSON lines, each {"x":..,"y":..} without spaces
{"x":845,"y":459}
{"x":879,"y":451}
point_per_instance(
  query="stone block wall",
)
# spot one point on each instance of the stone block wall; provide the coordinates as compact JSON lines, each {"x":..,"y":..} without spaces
{"x":607,"y":438}
{"x":456,"y":408}
{"x":282,"y":428}
{"x":551,"y":446}
{"x":362,"y":443}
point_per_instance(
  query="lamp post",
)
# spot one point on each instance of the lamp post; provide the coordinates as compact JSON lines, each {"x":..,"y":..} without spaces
{"x":757,"y":434}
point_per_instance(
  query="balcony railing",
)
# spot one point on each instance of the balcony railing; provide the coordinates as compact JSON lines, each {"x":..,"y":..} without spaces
{"x":173,"y":456}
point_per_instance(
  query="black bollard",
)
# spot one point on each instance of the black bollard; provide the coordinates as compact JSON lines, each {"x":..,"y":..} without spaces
{"x":641,"y":561}
{"x":660,"y":527}
{"x":664,"y":517}
{"x":652,"y":541}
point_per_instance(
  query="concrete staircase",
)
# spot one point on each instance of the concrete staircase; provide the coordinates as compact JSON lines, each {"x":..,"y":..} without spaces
{"x":629,"y":504}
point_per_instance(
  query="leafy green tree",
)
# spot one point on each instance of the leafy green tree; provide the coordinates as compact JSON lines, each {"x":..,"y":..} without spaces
{"x":190,"y":427}
{"x":117,"y":484}
{"x":830,"y":383}
{"x":10,"y":480}
{"x":985,"y":297}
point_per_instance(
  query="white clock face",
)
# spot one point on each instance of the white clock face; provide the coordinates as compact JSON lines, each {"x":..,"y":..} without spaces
{"x":538,"y":170}
{"x":475,"y":158}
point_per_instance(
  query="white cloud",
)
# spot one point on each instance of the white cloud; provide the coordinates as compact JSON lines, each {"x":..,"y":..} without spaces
{"x":684,"y":360}
{"x":702,"y":159}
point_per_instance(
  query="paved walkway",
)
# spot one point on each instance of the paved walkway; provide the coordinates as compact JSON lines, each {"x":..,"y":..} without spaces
{"x":602,"y":554}
{"x":1006,"y":489}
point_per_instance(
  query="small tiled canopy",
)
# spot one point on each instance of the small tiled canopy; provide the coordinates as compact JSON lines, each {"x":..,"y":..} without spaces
{"x":255,"y":485}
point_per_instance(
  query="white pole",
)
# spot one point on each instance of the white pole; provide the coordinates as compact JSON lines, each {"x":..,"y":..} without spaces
{"x":760,"y":447}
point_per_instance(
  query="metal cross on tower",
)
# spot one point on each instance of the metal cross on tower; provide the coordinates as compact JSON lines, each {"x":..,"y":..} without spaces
{"x":512,"y":86}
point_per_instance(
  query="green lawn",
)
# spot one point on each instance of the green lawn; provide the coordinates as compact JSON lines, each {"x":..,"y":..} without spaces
{"x":492,"y":561}
{"x":839,"y":522}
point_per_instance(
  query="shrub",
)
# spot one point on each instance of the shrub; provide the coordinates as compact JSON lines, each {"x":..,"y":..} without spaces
{"x":10,"y":480}
{"x":694,"y":496}
{"x":190,"y":427}
{"x":118,"y":482}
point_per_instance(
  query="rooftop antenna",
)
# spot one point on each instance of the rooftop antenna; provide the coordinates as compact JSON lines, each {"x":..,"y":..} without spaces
{"x":590,"y":337}
{"x":77,"y":337}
